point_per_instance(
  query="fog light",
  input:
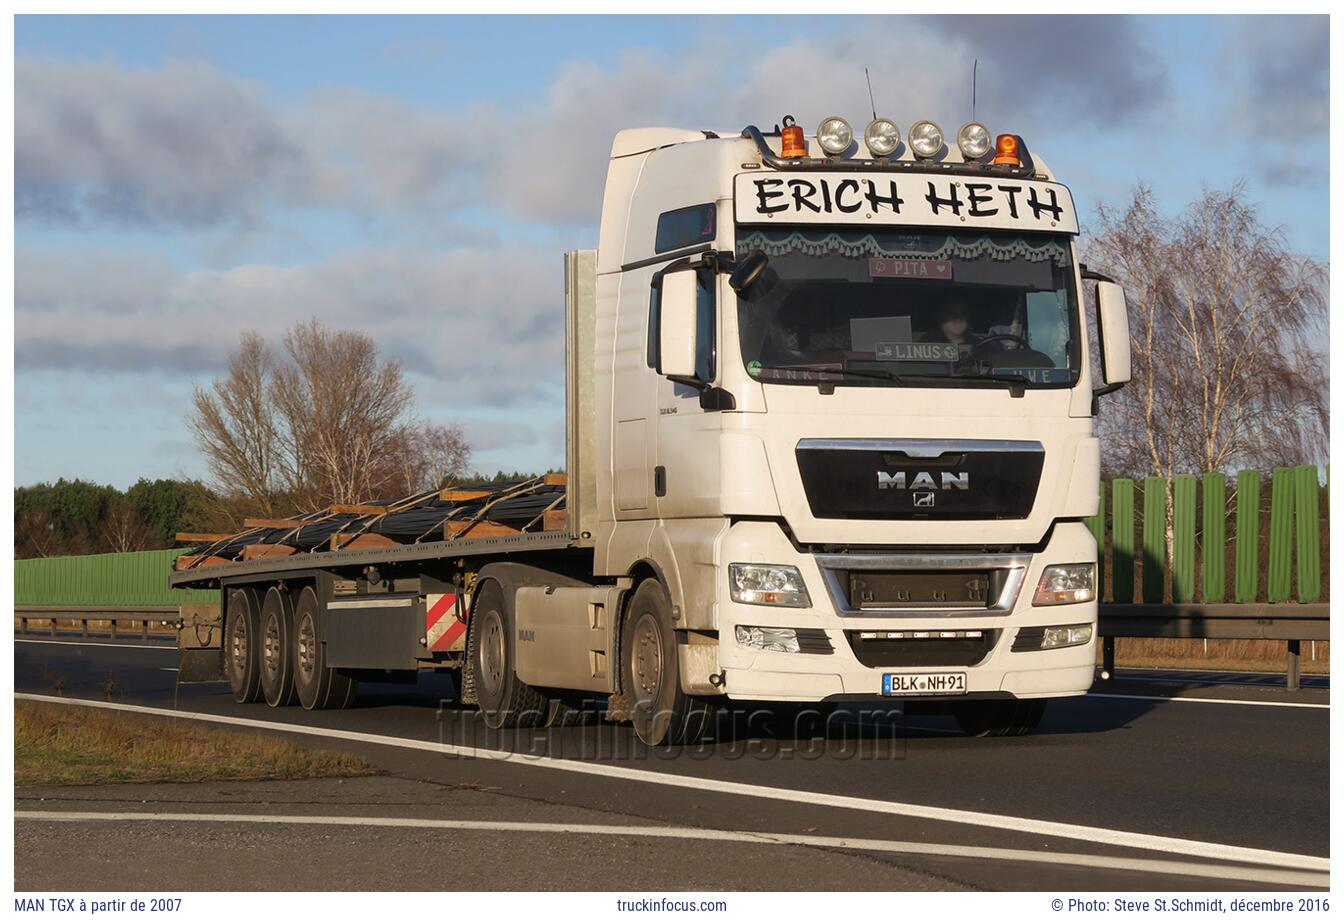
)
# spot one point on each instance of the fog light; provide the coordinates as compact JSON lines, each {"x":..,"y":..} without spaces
{"x":835,"y":135}
{"x":1066,"y":584}
{"x":973,"y":140}
{"x":767,"y":638}
{"x":771,"y":585}
{"x":882,"y":137}
{"x":1064,"y":636}
{"x":925,"y":139}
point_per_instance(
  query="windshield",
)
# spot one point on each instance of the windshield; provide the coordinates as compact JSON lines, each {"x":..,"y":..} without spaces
{"x":888,"y":307}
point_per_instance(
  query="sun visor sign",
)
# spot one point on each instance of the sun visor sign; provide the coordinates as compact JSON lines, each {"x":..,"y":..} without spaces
{"x":925,"y":200}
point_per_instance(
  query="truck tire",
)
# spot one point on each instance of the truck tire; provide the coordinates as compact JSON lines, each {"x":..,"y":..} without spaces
{"x":999,"y":718}
{"x":316,"y":685}
{"x":662,"y":714}
{"x":277,"y":653}
{"x":242,"y":661}
{"x":503,"y":698}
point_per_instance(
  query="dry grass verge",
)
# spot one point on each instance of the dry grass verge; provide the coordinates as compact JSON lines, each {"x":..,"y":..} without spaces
{"x":1219,"y":654}
{"x":79,"y":746}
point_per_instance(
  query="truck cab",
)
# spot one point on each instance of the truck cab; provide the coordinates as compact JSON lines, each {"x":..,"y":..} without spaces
{"x":843,"y":398}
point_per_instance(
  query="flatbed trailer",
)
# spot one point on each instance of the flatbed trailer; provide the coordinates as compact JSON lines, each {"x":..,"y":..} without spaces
{"x":829,"y":437}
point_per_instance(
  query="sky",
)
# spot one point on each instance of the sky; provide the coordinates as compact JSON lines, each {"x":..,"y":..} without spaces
{"x":181,"y":179}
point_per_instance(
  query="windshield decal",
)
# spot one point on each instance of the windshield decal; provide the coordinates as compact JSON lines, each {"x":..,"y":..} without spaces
{"x":923,"y":269}
{"x":934,"y":248}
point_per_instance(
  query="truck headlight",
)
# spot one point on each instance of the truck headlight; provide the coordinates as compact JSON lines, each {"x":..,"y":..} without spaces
{"x":1064,"y":636}
{"x":767,"y":638}
{"x":772,"y":585}
{"x":1066,"y":584}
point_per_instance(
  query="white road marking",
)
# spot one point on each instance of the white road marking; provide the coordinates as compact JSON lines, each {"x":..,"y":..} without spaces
{"x":1091,"y":834}
{"x":168,"y":669}
{"x":698,"y":834}
{"x":164,"y":647}
{"x":1205,"y":699}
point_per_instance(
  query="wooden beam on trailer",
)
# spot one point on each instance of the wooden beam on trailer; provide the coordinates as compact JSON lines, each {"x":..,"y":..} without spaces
{"x":554,"y":479}
{"x":464,"y":495}
{"x":265,"y":550}
{"x":285,"y":523}
{"x":201,"y":537}
{"x":190,"y":562}
{"x":471,"y":531}
{"x":358,"y":509}
{"x":361,"y":541}
{"x":555,"y":519}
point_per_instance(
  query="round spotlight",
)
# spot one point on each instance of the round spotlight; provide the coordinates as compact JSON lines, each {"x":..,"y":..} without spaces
{"x":973,"y":140}
{"x":925,"y":139}
{"x":835,"y":135}
{"x":882,"y":137}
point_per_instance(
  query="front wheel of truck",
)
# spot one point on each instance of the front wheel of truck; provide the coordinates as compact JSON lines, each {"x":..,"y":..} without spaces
{"x":999,"y":718}
{"x":662,"y":713}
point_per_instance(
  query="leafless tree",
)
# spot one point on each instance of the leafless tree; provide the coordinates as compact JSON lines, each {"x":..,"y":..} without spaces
{"x":429,"y":457}
{"x":35,"y":537}
{"x":1227,"y":329}
{"x":234,"y":424}
{"x":327,"y":421}
{"x":123,"y":531}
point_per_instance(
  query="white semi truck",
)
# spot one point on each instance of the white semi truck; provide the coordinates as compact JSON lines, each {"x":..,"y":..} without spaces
{"x":830,"y":409}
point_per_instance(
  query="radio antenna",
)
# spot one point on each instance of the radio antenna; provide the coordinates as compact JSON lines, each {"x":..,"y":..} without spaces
{"x":975,"y":67}
{"x":870,"y":92}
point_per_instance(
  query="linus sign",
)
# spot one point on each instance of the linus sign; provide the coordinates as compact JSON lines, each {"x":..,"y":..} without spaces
{"x":917,"y":200}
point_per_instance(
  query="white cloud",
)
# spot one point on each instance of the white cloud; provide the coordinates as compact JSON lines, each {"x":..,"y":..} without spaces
{"x":468,"y":318}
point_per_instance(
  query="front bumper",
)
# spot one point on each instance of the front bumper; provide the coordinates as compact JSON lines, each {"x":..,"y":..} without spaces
{"x":808,"y":676}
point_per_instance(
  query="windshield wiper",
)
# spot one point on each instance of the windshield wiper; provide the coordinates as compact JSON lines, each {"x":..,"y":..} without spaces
{"x":899,"y":378}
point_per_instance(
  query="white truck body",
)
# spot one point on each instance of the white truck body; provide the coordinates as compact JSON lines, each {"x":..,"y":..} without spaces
{"x":919,"y":514}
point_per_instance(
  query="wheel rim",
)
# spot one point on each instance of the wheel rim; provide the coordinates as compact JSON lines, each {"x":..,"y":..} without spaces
{"x":307,"y":649}
{"x":238,"y":645}
{"x":648,"y":660}
{"x":492,"y":653}
{"x":270,"y":648}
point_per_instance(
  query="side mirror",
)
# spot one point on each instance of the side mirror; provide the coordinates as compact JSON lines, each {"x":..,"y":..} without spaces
{"x":748,"y":269}
{"x":1113,"y":326}
{"x":676,"y":325}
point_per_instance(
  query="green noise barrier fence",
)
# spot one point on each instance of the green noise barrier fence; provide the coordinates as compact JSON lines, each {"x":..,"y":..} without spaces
{"x":1168,"y":541}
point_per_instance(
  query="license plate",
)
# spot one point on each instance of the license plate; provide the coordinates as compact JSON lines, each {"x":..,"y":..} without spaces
{"x":935,"y":683}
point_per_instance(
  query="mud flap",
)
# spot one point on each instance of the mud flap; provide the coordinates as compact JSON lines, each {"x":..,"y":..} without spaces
{"x":200,"y":632}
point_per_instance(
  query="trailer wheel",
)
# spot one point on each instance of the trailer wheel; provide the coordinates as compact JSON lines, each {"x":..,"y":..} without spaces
{"x":241,"y":647}
{"x":277,"y":654}
{"x":999,"y":718}
{"x":503,"y":698}
{"x":316,"y":685}
{"x":651,"y":677}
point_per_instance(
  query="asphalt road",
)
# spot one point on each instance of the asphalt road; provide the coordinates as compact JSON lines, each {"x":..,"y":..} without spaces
{"x":1196,"y":766}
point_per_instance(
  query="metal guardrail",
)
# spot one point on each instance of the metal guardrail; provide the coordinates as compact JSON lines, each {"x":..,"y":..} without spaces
{"x":114,"y":615}
{"x":1291,"y":622}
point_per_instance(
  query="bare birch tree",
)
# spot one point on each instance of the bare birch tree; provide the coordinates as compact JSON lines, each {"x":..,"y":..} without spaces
{"x":327,"y":421}
{"x":1228,"y":336}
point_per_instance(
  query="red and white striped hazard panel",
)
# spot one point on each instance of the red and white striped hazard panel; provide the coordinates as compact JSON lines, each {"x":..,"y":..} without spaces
{"x":444,"y":632}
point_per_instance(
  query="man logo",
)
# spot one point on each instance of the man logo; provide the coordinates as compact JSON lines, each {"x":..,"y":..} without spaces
{"x":960,"y":481}
{"x":924,"y":499}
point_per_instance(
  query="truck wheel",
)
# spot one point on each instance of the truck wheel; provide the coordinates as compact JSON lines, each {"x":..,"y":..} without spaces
{"x":277,"y":656}
{"x":503,"y":698}
{"x":316,"y":685}
{"x":661,"y":712}
{"x":241,"y":659}
{"x":1000,"y":718}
